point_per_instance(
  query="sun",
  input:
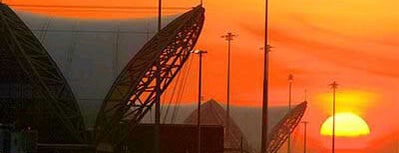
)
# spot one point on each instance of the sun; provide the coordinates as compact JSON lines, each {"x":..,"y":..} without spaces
{"x":347,"y":125}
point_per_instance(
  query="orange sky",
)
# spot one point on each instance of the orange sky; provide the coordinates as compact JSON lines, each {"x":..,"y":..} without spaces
{"x":354,"y":42}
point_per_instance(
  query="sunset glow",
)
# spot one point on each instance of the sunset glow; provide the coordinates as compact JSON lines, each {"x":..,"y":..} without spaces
{"x":353,"y":42}
{"x":355,"y":101}
{"x":347,"y":125}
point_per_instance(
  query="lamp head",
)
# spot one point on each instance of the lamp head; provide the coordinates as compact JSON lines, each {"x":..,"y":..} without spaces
{"x":198,"y":51}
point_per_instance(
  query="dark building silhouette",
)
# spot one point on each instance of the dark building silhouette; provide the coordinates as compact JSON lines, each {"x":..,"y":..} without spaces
{"x":212,"y":113}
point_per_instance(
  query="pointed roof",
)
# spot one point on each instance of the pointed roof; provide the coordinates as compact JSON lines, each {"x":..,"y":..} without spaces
{"x":212,"y":113}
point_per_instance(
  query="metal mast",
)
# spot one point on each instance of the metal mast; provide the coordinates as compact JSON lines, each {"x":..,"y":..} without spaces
{"x":228,"y":37}
{"x":334,"y":86}
{"x":199,"y":52}
{"x":265,"y":84}
{"x":290,"y":80}
{"x":158,"y":87}
{"x":305,"y":123}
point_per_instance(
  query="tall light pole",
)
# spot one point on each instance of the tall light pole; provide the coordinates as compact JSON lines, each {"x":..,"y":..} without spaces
{"x":290,"y":81}
{"x":228,"y":37}
{"x":199,"y":52}
{"x":334,"y":86}
{"x":158,"y":88}
{"x":305,"y":123}
{"x":265,"y":83}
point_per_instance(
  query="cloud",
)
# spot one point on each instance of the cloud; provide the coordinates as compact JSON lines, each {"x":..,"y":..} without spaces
{"x":317,"y":44}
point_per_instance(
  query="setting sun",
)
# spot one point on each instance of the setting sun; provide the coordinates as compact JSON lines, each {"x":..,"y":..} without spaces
{"x":347,"y":125}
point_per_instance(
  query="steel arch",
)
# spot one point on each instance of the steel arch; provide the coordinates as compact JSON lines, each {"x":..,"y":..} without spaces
{"x":51,"y":100}
{"x":132,"y":94}
{"x":286,"y":126}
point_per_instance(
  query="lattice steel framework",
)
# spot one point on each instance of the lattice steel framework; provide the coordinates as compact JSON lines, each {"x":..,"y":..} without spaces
{"x":286,"y":126}
{"x":32,"y":87}
{"x":132,"y":94}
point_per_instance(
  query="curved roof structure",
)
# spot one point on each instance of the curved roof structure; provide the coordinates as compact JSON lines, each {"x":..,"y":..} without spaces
{"x":212,"y":113}
{"x":133,"y":92}
{"x":286,"y":126}
{"x":88,"y":43}
{"x":91,"y":53}
{"x":33,"y":87}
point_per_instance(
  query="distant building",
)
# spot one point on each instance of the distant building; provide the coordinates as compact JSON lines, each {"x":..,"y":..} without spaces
{"x":212,"y":113}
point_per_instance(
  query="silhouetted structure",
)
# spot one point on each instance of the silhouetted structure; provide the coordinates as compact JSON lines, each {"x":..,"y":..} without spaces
{"x":305,"y":124}
{"x":334,"y":86}
{"x":284,"y":128}
{"x":33,"y":92}
{"x":214,"y":114}
{"x":199,"y":52}
{"x":290,"y":81}
{"x":35,"y":95}
{"x":175,"y":138}
{"x":133,"y":94}
{"x":228,"y":37}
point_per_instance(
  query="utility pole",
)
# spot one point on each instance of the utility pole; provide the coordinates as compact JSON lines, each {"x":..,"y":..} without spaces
{"x":334,"y":86}
{"x":199,"y":52}
{"x":228,"y":37}
{"x":304,"y":135}
{"x":290,"y":81}
{"x":265,"y":83}
{"x":158,"y":87}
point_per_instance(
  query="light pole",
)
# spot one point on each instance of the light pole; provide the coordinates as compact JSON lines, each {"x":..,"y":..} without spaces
{"x":334,"y":86}
{"x":265,"y":83}
{"x":290,"y":80}
{"x":265,"y":98}
{"x":228,"y":37}
{"x":199,"y":52}
{"x":158,"y":87}
{"x":305,"y":123}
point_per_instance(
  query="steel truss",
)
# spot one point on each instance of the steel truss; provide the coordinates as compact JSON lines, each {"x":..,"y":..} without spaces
{"x":133,"y":93}
{"x":33,"y":88}
{"x":286,"y":126}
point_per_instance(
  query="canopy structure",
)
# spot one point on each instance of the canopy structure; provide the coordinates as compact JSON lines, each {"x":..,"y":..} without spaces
{"x":284,"y":128}
{"x":91,"y":53}
{"x":34,"y":93}
{"x":133,"y":92}
{"x":108,"y":63}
